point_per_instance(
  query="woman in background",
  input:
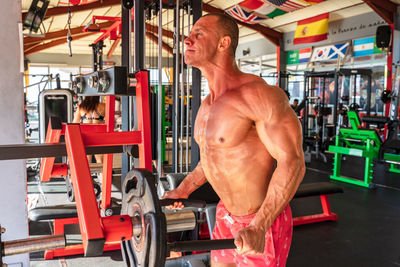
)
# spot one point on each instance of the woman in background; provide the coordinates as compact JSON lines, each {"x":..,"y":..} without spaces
{"x":91,"y":111}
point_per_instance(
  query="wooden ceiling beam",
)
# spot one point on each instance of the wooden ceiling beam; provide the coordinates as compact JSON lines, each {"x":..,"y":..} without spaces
{"x":62,"y":10}
{"x":61,"y":34}
{"x":384,"y":8}
{"x":113,"y":47}
{"x":33,"y":45}
{"x":55,"y":43}
{"x":270,"y":34}
{"x":154,"y":29}
{"x":165,"y":46}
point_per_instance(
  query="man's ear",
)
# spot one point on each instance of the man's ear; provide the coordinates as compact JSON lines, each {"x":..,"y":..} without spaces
{"x":224,"y":43}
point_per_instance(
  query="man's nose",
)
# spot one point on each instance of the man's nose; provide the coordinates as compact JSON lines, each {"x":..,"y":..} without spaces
{"x":187,"y":41}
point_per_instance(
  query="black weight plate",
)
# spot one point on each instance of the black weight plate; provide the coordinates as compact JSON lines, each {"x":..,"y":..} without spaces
{"x":140,"y":199}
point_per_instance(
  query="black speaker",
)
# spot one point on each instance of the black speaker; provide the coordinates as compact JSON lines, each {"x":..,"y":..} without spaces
{"x":383,"y":36}
{"x":35,"y":14}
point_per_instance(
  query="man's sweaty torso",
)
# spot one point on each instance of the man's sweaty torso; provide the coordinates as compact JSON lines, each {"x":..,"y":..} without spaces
{"x":234,"y":160}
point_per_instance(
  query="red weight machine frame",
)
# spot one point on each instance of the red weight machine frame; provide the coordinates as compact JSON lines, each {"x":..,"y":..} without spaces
{"x":326,"y":215}
{"x":49,"y":169}
{"x":98,"y":233}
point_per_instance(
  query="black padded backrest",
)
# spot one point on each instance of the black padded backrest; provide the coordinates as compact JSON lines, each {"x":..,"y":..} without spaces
{"x":317,"y":189}
{"x":53,"y":212}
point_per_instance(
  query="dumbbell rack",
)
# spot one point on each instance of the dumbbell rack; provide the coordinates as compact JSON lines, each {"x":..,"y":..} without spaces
{"x":98,"y":233}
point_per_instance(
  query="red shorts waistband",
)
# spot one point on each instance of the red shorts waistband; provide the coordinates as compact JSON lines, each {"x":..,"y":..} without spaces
{"x":241,"y":219}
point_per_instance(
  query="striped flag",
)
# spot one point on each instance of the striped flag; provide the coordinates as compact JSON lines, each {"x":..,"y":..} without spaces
{"x":288,"y":5}
{"x":261,"y":7}
{"x":365,"y":47}
{"x":312,"y":30}
{"x":304,"y":55}
{"x":249,"y":17}
{"x":298,"y":56}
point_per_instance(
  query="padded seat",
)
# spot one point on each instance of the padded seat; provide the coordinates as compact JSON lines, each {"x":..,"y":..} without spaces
{"x":53,"y":212}
{"x":317,"y":189}
{"x":204,"y":193}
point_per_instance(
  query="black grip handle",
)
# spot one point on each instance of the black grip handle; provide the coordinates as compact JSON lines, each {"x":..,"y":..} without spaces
{"x":197,"y":245}
{"x":185,"y":202}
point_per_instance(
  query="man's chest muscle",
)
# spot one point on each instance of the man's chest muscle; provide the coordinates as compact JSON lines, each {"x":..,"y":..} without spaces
{"x":221,"y":125}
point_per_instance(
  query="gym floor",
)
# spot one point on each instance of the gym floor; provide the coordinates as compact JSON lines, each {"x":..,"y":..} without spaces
{"x":366,"y":233}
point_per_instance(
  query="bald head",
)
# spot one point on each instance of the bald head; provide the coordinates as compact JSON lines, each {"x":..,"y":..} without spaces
{"x":227,"y":27}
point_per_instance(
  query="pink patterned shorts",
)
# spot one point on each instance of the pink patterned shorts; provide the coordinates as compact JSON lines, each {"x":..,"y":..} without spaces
{"x":277,"y":239}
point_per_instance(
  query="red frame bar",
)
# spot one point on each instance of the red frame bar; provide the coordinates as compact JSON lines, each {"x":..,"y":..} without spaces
{"x":111,"y":31}
{"x":47,"y":168}
{"x":59,"y":170}
{"x":109,"y":18}
{"x":389,"y":78}
{"x":143,"y":117}
{"x":278,"y":65}
{"x":47,"y":164}
{"x":106,"y":183}
{"x":102,"y":233}
{"x":86,"y":204}
{"x":112,"y":239}
{"x":326,"y":215}
{"x":112,"y":139}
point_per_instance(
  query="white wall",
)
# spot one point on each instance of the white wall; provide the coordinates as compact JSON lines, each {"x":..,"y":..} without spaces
{"x":13,"y":209}
{"x":341,"y":30}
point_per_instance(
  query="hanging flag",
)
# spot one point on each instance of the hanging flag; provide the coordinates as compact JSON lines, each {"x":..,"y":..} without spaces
{"x":298,"y":56}
{"x":312,"y":30}
{"x":240,"y":14}
{"x":365,"y":47}
{"x":338,"y":50}
{"x":288,"y":5}
{"x":262,"y":8}
{"x":329,"y":52}
{"x":304,"y":55}
{"x":292,"y":57}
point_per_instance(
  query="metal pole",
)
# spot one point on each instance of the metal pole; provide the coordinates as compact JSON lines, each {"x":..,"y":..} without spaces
{"x":176,"y":222}
{"x":182,"y":92}
{"x":188,"y":98}
{"x":369,"y":96}
{"x":33,"y":244}
{"x":138,"y":56}
{"x":160,"y":93}
{"x":336,"y":97}
{"x":125,"y":100}
{"x":305,"y":95}
{"x":176,"y":90}
{"x":139,"y":35}
{"x":196,"y":92}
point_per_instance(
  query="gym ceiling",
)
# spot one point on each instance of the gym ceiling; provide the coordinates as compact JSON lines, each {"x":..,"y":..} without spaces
{"x":52,"y":36}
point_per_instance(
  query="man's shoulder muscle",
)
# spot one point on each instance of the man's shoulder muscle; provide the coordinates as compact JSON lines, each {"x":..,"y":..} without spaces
{"x":262,"y":100}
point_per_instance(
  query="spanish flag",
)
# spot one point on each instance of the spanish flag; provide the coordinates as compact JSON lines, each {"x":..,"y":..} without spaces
{"x":312,"y":30}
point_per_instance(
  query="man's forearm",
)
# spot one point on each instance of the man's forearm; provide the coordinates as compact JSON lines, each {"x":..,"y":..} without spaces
{"x":193,"y":181}
{"x":283,"y":186}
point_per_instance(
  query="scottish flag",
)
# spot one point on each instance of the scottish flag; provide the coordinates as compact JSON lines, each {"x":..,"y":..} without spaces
{"x":338,"y":50}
